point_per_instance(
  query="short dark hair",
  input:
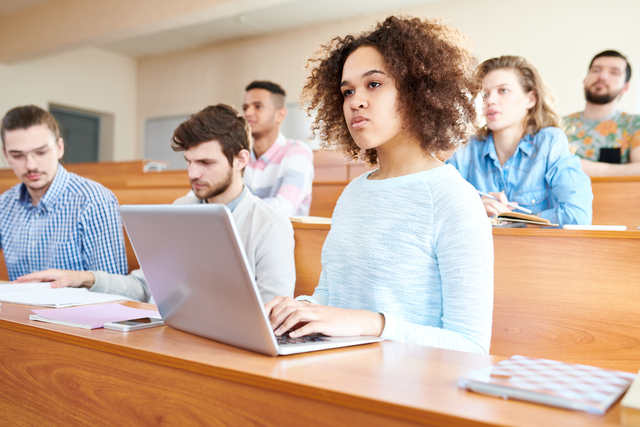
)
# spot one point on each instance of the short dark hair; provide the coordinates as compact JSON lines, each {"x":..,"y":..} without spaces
{"x":220,"y":123}
{"x":614,"y":54}
{"x":26,"y":116}
{"x":272,"y":87}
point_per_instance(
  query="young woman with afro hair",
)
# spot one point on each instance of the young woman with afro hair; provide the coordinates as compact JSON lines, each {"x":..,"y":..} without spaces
{"x":410,"y":254}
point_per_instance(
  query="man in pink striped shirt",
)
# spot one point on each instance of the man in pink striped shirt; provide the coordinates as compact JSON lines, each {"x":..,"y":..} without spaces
{"x":280,"y":171}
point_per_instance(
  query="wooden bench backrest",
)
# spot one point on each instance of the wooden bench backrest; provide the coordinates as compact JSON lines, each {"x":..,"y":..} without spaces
{"x":616,"y":201}
{"x":571,"y":296}
{"x":565,"y":295}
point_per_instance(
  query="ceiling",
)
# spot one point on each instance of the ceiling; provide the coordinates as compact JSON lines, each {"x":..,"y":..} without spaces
{"x":257,"y":18}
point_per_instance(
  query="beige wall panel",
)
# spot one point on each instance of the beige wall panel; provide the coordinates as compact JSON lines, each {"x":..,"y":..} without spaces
{"x":89,"y":79}
{"x":559,"y":37}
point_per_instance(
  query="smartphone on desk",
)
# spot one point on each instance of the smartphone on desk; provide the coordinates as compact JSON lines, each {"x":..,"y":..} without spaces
{"x":135,"y":324}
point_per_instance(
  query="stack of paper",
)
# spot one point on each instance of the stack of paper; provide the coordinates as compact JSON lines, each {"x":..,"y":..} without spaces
{"x":43,"y":295}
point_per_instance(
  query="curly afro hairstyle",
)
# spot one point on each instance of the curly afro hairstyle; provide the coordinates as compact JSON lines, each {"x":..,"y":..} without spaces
{"x":433,"y":72}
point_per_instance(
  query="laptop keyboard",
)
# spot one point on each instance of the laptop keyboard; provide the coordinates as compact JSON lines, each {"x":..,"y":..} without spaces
{"x":286,"y":339}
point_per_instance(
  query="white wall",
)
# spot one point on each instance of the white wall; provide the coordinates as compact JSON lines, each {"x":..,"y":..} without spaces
{"x":558,"y":36}
{"x":89,"y":79}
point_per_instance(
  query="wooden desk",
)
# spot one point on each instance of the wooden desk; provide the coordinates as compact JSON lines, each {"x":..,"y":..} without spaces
{"x":558,"y":294}
{"x":58,"y":376}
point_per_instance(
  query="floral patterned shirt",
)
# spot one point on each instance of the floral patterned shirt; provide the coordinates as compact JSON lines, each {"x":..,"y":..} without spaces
{"x":619,"y":130}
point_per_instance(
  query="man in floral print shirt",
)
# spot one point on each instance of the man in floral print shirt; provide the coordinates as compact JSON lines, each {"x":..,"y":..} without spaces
{"x":594,"y":132}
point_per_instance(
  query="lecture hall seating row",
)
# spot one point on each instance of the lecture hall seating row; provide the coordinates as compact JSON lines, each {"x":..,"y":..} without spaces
{"x":565,"y":300}
{"x":601,"y":277}
{"x":616,"y":200}
{"x":558,"y":294}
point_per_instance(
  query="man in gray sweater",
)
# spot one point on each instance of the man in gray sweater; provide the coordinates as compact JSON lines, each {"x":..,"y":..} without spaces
{"x":216,"y":146}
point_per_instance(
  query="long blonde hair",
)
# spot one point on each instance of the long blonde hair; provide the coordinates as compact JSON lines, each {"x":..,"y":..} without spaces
{"x":543,"y":114}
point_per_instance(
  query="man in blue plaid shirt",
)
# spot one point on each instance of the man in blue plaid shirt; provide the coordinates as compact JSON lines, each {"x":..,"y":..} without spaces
{"x":54,"y":218}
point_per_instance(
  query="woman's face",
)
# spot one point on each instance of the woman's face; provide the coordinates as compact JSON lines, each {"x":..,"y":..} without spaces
{"x":370,"y":99}
{"x":506,"y":105}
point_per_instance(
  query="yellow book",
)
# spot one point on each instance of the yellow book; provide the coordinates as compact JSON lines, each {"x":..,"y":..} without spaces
{"x":523,"y":218}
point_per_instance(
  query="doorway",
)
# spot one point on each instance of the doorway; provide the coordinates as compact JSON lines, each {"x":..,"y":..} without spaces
{"x":81,"y":134}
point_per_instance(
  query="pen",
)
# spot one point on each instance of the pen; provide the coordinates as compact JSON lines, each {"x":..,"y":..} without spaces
{"x":525,"y":210}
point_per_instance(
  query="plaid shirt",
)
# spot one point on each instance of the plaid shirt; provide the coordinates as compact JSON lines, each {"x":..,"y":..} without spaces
{"x":75,"y":226}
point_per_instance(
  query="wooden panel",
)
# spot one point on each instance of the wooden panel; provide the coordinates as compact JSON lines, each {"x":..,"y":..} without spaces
{"x":147,"y":196}
{"x":324,"y":198}
{"x":309,"y":240}
{"x":174,"y":178}
{"x":574,"y":299}
{"x":106,"y":389}
{"x":566,"y":295}
{"x":616,"y":201}
{"x":6,"y":182}
{"x":91,"y":169}
{"x":95,"y":168}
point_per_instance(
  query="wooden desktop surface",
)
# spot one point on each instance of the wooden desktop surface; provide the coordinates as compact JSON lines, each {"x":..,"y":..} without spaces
{"x":58,"y":375}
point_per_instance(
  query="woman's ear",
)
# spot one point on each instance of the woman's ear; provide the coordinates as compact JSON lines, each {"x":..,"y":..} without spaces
{"x":533,"y":99}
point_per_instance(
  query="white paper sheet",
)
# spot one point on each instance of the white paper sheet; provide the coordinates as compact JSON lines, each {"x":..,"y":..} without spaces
{"x":42,"y":295}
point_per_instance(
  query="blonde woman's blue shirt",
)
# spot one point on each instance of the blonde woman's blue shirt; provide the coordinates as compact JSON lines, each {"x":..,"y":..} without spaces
{"x":542,"y":175}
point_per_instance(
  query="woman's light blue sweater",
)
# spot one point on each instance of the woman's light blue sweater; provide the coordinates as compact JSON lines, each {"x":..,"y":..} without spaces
{"x":419,"y":250}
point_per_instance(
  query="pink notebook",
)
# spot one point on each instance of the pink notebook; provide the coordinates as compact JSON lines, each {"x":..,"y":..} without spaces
{"x":91,"y":316}
{"x":567,"y":385}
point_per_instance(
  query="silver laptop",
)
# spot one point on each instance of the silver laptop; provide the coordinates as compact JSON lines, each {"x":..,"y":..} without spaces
{"x":198,"y":274}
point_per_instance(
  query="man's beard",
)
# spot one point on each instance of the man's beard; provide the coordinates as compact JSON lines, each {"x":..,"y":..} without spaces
{"x":600,"y":99}
{"x":218,"y":188}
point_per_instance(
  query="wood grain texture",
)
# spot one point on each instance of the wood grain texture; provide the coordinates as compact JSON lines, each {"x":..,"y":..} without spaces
{"x":309,"y":241}
{"x":150,"y":195}
{"x":57,"y":375}
{"x":616,"y":201}
{"x":82,"y":386}
{"x":324,"y":198}
{"x":574,"y":299}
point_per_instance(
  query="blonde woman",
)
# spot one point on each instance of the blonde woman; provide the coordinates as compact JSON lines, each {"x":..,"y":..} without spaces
{"x":521,"y":155}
